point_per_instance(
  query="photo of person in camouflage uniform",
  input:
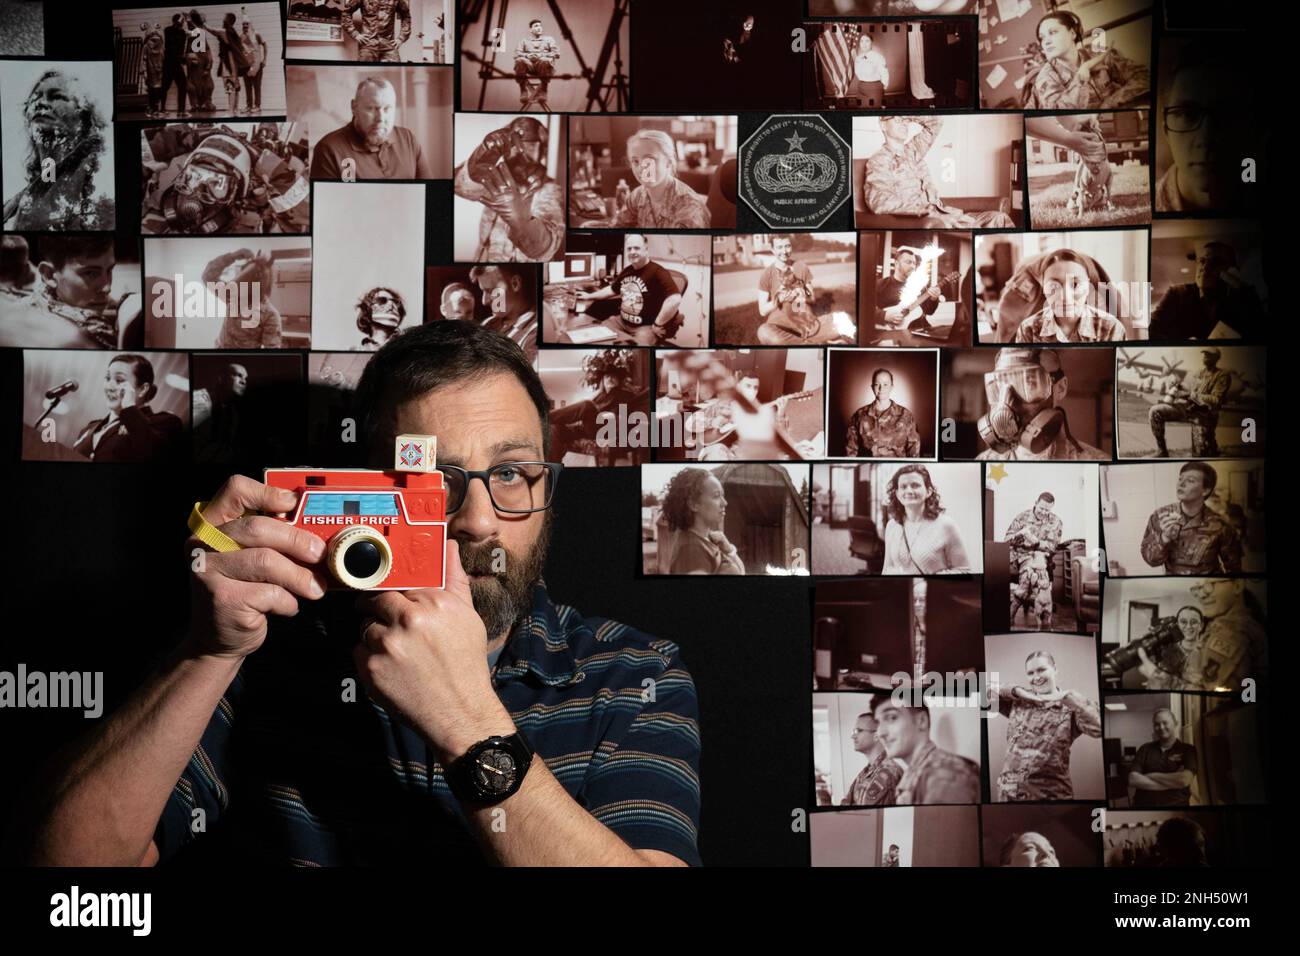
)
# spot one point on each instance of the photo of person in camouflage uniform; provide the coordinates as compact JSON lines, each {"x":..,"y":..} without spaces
{"x":1198,"y":403}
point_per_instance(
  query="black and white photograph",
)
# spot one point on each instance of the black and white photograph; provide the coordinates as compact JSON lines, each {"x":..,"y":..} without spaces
{"x":70,"y":291}
{"x":1042,"y":548}
{"x":1029,"y":404}
{"x":739,"y":405}
{"x":868,"y":751}
{"x":592,"y":391}
{"x":882,"y":403}
{"x":727,"y":54}
{"x":1211,"y":132}
{"x":937,"y":172}
{"x":228,"y":293}
{"x":1190,"y":402}
{"x":231,"y":179}
{"x":531,"y":56}
{"x":57,"y":167}
{"x":1183,"y":750}
{"x":1196,"y":517}
{"x":915,"y":284}
{"x":1038,"y":835}
{"x":1044,"y":719}
{"x":372,"y":31}
{"x":896,"y":519}
{"x":362,"y":302}
{"x":104,"y":407}
{"x":652,"y":172}
{"x":889,"y":65}
{"x":628,"y":288}
{"x":1078,"y":57}
{"x":332,"y":379}
{"x":1060,"y":288}
{"x":509,"y":184}
{"x":896,"y":837}
{"x":211,"y":60}
{"x":1089,"y":169}
{"x":501,"y":297}
{"x":1207,"y":280}
{"x":1191,"y":838}
{"x":1197,"y":634}
{"x":372,"y":122}
{"x":22,"y":28}
{"x":789,"y":289}
{"x":724,"y":519}
{"x":882,"y":633}
{"x":248,"y":410}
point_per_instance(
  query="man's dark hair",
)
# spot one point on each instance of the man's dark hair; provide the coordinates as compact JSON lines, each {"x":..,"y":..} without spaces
{"x":1180,"y":842}
{"x":1209,"y":477}
{"x":59,"y":250}
{"x":176,"y":18}
{"x":683,"y":488}
{"x":429,"y":356}
{"x":1046,"y":496}
{"x":534,"y":20}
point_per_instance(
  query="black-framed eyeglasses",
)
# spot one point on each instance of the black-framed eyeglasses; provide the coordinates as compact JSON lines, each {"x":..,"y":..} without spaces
{"x":1188,"y":119}
{"x":515,"y":487}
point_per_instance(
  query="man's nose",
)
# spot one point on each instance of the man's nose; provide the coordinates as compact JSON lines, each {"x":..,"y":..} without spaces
{"x":476,"y":519}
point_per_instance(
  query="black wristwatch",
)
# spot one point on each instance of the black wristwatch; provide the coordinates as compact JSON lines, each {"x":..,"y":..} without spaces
{"x":491,"y":770}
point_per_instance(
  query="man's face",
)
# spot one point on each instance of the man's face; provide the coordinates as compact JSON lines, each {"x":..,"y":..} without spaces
{"x":84,"y":283}
{"x":1043,"y":508}
{"x":906,"y":264}
{"x":481,"y":423}
{"x":1209,"y":359}
{"x":608,"y":382}
{"x":237,"y":379}
{"x":497,"y":292}
{"x":895,"y":130}
{"x":1191,"y":487}
{"x":51,"y":112}
{"x":1207,"y":157}
{"x":1215,"y":596}
{"x":536,"y":29}
{"x":899,"y":729}
{"x":893,"y":853}
{"x":1033,"y":849}
{"x":460,"y":306}
{"x":373,"y":113}
{"x":781,"y":249}
{"x":882,"y":386}
{"x":1163,"y":726}
{"x":1211,"y":261}
{"x":864,"y":734}
{"x":635,"y":252}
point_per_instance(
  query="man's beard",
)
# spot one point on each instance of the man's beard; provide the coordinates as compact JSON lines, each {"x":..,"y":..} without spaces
{"x":503,"y":597}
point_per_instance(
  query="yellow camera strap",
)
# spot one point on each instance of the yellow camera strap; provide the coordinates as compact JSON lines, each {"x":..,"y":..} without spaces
{"x":208,"y":533}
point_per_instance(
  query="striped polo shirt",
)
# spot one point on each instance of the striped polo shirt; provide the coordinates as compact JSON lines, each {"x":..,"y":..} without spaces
{"x":297,"y":765}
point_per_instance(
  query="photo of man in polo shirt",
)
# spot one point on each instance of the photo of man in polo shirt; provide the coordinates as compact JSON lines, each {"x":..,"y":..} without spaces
{"x":372,"y":145}
{"x":1163,"y":771}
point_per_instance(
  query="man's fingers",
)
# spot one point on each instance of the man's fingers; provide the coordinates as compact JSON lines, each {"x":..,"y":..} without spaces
{"x":457,"y":581}
{"x":241,"y":493}
{"x":259,"y":531}
{"x":268,"y":566}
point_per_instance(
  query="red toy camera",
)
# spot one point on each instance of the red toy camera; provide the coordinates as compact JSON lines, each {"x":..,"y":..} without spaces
{"x":383,"y":530}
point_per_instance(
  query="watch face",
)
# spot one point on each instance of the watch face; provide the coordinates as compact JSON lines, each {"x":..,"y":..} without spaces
{"x":495,"y":770}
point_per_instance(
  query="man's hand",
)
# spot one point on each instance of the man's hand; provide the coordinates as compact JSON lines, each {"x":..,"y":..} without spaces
{"x":514,"y":208}
{"x":423,"y":657}
{"x":1169,"y":522}
{"x":237,"y":589}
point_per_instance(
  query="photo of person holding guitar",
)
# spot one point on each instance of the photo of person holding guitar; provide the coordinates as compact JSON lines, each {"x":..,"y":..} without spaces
{"x":900,"y":303}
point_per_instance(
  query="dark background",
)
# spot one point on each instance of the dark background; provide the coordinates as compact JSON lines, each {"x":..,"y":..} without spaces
{"x":95,"y":578}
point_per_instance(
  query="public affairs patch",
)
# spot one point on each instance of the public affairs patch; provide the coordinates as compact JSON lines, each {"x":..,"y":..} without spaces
{"x":795,"y":171}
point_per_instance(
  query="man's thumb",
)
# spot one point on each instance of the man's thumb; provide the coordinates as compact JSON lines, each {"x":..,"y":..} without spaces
{"x":457,"y":581}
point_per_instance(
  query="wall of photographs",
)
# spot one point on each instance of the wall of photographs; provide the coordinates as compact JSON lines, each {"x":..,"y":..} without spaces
{"x":972,"y":345}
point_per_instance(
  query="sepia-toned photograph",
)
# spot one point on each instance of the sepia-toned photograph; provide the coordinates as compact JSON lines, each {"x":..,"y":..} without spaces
{"x":739,"y":405}
{"x":1042,"y":835}
{"x":1190,"y":402}
{"x":248,"y":409}
{"x":1027,"y":404}
{"x":361,"y":303}
{"x":628,"y":289}
{"x":881,"y":403}
{"x":1089,"y":56}
{"x":784,"y":288}
{"x":1197,"y":838}
{"x":724,"y":519}
{"x":894,"y":65}
{"x":231,"y":179}
{"x":896,"y":837}
{"x":900,"y":162}
{"x":915,"y":284}
{"x":212,"y":60}
{"x":372,"y":122}
{"x":501,"y":297}
{"x":1060,"y":288}
{"x":1198,"y":517}
{"x":1183,"y":750}
{"x":1089,"y":169}
{"x":652,"y":172}
{"x":105,"y":407}
{"x":896,"y":519}
{"x":509,"y":188}
{"x":228,"y":293}
{"x":1207,"y":280}
{"x":597,"y":397}
{"x":1199,"y":634}
{"x":372,"y":31}
{"x":70,"y":291}
{"x":56,"y":162}
{"x":1042,"y":548}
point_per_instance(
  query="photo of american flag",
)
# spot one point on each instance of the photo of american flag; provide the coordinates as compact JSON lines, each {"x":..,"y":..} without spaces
{"x":834,"y":50}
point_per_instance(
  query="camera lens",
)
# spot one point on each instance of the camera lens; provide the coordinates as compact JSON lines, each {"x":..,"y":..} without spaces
{"x":363,"y":559}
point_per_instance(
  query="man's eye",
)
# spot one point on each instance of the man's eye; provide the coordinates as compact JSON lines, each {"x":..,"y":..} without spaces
{"x":507,"y":475}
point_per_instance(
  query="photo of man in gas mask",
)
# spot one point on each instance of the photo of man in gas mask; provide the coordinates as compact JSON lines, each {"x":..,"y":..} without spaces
{"x":1025,"y":419}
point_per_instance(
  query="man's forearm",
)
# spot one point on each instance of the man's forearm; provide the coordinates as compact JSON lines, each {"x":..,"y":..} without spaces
{"x":103,"y":802}
{"x":668,"y":309}
{"x":1171,"y":781}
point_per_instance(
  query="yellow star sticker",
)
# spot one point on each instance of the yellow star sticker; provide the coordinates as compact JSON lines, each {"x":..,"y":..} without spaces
{"x":997,"y":472}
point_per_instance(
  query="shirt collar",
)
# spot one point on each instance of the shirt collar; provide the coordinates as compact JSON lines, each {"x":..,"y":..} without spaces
{"x":539,"y":643}
{"x":359,"y":142}
{"x":1087,"y":329}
